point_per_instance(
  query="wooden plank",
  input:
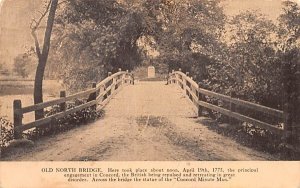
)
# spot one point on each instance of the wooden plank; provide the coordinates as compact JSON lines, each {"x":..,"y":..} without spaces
{"x":65,"y":99}
{"x":105,"y":102}
{"x":119,"y":81}
{"x":181,"y":82}
{"x":109,"y":78}
{"x":56,"y":101}
{"x":194,"y":96}
{"x":192,"y":82}
{"x":107,"y":89}
{"x":242,"y":117}
{"x":100,"y":96}
{"x":55,"y":116}
{"x":103,"y":82}
{"x":257,"y":107}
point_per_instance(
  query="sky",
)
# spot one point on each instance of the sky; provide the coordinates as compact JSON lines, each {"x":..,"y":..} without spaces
{"x":237,"y":5}
{"x":1,"y":1}
{"x":271,"y":8}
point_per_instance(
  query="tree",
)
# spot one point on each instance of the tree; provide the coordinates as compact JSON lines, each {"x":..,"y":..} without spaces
{"x":290,"y":54}
{"x":20,"y":65}
{"x":3,"y":69}
{"x":189,"y":34}
{"x":42,"y":54}
{"x":94,"y":37}
{"x":252,"y":66}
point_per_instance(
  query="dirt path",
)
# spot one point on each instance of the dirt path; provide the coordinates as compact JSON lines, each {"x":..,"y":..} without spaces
{"x":147,"y":121}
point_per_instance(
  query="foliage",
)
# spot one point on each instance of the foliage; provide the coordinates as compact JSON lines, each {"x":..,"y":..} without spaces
{"x":247,"y":54}
{"x":189,"y":35}
{"x":3,"y":69}
{"x":76,"y":119}
{"x":59,"y":125}
{"x":23,"y":65}
{"x":6,"y":132}
{"x":251,"y":67}
{"x":95,"y":37}
{"x":289,"y":25}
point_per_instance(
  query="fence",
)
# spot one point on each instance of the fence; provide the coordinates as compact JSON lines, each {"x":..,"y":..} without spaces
{"x":96,"y":97}
{"x":198,"y":96}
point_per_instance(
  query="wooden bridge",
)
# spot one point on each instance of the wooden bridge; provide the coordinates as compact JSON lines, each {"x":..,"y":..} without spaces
{"x":147,"y":121}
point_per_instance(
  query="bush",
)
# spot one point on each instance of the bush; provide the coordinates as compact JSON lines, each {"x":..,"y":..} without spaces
{"x":66,"y":123}
{"x":6,"y":132}
{"x":56,"y":126}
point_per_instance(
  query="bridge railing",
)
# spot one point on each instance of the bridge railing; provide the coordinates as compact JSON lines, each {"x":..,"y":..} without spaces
{"x":198,"y":96}
{"x":96,"y":97}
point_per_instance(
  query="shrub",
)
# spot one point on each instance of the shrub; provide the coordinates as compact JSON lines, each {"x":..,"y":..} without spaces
{"x":6,"y":132}
{"x":56,"y":126}
{"x":66,"y":123}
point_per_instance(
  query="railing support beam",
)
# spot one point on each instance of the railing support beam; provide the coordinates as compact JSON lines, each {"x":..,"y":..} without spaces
{"x":63,"y":105}
{"x":17,"y":107}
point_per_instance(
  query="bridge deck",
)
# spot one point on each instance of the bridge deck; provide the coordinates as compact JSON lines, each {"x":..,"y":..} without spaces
{"x":147,"y":121}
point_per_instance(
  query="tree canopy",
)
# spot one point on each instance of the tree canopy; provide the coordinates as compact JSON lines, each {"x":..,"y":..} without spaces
{"x":244,"y":53}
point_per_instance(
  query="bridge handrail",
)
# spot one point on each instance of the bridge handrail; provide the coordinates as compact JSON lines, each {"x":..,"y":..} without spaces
{"x":98,"y":96}
{"x":197,"y":96}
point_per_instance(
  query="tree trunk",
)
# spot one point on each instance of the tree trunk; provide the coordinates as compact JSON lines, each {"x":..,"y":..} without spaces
{"x":38,"y":87}
{"x":38,"y":83}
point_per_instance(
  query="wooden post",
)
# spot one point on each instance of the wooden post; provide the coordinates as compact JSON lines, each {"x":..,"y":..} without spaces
{"x":167,"y":77}
{"x":173,"y":81}
{"x":288,"y":121}
{"x":232,"y":107}
{"x":17,"y":106}
{"x":185,"y":88}
{"x":125,"y":77}
{"x":132,"y":79}
{"x":297,"y":108}
{"x":122,"y":78}
{"x":288,"y":88}
{"x":63,"y":105}
{"x":94,"y":95}
{"x":200,"y":109}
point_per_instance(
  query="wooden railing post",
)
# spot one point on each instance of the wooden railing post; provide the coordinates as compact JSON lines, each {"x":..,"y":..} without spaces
{"x":200,"y":96}
{"x":94,"y":95}
{"x":17,"y":118}
{"x":125,"y":76}
{"x":132,"y":79}
{"x":168,"y":78}
{"x":63,"y":105}
{"x":185,"y":84}
{"x":232,"y":107}
{"x":173,"y":75}
{"x":122,"y":78}
{"x":113,"y":85}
